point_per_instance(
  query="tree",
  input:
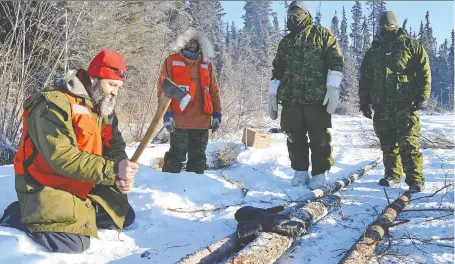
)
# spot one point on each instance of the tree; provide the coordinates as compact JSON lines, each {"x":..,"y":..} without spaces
{"x":422,"y":34}
{"x":366,"y":36}
{"x":318,"y":17}
{"x":257,"y":25}
{"x":233,"y":33}
{"x":405,"y":22}
{"x":376,"y":8}
{"x":276,"y":32}
{"x":334,"y":27}
{"x":430,"y":40}
{"x":356,"y":31}
{"x":344,"y":42}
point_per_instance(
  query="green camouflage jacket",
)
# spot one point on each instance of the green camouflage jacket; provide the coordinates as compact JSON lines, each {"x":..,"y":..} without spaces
{"x":395,"y":72}
{"x":302,"y":62}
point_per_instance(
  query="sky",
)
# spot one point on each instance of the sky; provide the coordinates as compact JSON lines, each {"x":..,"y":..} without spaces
{"x":441,"y":13}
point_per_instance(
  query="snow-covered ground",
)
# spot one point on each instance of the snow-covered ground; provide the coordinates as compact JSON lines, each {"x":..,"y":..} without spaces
{"x":168,"y":235}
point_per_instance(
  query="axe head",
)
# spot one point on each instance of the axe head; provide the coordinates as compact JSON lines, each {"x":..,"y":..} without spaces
{"x":173,"y":90}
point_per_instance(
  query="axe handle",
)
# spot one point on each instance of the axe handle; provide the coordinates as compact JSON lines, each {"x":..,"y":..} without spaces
{"x":163,"y":104}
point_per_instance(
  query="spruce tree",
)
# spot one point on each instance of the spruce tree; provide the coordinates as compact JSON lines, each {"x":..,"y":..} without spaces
{"x":318,"y":17}
{"x":257,"y":24}
{"x":430,"y":44}
{"x":366,"y":36}
{"x":344,"y":42}
{"x":405,"y":22}
{"x":356,"y":31}
{"x":334,"y":27}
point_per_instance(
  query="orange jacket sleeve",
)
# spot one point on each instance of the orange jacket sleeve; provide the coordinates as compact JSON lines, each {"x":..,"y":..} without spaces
{"x":166,"y":72}
{"x":215,"y":91}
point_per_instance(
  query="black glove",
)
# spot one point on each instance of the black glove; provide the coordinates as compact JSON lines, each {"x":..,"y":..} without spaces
{"x":253,"y":220}
{"x":366,"y":110}
{"x":419,"y":103}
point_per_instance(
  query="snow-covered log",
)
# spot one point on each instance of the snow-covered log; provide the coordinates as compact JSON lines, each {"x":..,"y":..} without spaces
{"x":268,"y":247}
{"x":364,"y":248}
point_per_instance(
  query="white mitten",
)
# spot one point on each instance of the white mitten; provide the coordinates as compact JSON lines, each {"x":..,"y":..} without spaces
{"x":273,"y":100}
{"x":332,"y":96}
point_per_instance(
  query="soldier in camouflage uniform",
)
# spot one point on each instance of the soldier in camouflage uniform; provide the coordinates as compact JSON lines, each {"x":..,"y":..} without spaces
{"x":395,"y":78}
{"x":308,"y":67}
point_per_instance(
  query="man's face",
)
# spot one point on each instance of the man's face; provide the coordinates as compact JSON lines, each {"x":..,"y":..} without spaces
{"x":104,"y":92}
{"x":191,"y":45}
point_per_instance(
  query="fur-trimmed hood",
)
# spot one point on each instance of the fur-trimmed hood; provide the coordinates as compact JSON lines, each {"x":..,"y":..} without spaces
{"x":206,"y":47}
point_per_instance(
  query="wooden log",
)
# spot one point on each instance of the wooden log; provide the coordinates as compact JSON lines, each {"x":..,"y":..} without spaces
{"x":213,"y":253}
{"x":364,"y":248}
{"x":268,"y":247}
{"x":333,"y":187}
{"x":226,"y":246}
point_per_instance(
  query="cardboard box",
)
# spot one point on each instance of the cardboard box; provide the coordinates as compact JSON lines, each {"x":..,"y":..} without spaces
{"x":255,"y":138}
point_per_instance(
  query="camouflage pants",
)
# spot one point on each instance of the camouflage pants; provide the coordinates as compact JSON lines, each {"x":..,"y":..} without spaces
{"x":398,"y":130}
{"x":305,"y":122}
{"x":187,"y":141}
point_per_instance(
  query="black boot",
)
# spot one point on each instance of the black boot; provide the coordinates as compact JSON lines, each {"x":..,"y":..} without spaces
{"x":416,"y":187}
{"x":390,"y":182}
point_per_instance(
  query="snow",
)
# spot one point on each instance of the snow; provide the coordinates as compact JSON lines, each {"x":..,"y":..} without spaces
{"x":167,"y":235}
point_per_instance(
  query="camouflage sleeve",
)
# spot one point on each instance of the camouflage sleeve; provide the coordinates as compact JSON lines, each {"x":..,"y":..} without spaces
{"x":118,"y":145}
{"x":278,"y":61}
{"x":332,"y":52}
{"x":366,"y":79}
{"x":423,"y":71}
{"x":51,"y":130}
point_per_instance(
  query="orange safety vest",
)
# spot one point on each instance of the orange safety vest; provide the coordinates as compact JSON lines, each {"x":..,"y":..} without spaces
{"x":89,"y":138}
{"x":182,"y":77}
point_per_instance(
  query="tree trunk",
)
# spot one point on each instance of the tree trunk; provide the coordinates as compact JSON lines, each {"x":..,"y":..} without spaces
{"x":364,"y":248}
{"x":268,"y":247}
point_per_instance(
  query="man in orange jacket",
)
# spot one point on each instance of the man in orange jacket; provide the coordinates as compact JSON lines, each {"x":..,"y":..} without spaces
{"x":191,"y":69}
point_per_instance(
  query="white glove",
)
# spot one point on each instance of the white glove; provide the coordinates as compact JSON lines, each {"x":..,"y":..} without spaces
{"x":273,"y":100}
{"x":332,"y":97}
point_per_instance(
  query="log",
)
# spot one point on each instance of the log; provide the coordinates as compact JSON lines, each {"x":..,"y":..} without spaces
{"x":226,"y":246}
{"x":213,"y":253}
{"x":333,"y":187}
{"x":268,"y":247}
{"x":364,"y":248}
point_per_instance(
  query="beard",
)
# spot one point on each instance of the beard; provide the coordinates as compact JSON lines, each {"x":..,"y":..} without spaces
{"x":105,"y":103}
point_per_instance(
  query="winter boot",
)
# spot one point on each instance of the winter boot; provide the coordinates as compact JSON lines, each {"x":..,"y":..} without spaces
{"x":300,"y":177}
{"x":417,"y":187}
{"x":317,"y":181}
{"x":390,"y":182}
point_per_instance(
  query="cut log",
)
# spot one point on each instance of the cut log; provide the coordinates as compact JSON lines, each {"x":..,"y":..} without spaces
{"x":364,"y":248}
{"x":214,"y":252}
{"x":228,"y":245}
{"x":268,"y":247}
{"x":333,"y":187}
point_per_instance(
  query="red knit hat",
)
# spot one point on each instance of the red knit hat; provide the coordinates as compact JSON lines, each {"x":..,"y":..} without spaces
{"x":108,"y":64}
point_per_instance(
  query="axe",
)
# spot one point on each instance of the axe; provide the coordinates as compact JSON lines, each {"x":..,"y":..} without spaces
{"x":171,"y":90}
